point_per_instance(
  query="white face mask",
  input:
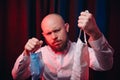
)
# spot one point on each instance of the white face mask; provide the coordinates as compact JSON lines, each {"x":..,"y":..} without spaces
{"x":81,"y":60}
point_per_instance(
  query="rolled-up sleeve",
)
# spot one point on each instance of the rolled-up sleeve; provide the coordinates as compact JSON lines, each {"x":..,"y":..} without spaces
{"x":21,"y":70}
{"x":101,"y":54}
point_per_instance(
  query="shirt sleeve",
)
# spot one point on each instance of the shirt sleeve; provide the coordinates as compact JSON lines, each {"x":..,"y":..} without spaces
{"x":101,"y":54}
{"x":21,"y":70}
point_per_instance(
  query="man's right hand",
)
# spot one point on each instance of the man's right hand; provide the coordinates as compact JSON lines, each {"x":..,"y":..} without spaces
{"x":32,"y":45}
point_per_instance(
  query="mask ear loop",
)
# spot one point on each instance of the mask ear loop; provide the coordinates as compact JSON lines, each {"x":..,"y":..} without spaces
{"x":85,"y":39}
{"x":80,"y":33}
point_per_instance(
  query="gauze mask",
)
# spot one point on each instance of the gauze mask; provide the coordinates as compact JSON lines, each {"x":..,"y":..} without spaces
{"x":81,"y":60}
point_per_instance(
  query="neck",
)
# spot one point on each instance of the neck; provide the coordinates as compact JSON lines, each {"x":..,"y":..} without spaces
{"x":65,"y":49}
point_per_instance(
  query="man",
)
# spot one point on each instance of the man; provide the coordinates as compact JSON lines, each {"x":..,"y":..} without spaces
{"x":58,"y":56}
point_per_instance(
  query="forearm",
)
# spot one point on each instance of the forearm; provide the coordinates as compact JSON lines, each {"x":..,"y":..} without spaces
{"x":21,"y":68}
{"x":102,"y":53}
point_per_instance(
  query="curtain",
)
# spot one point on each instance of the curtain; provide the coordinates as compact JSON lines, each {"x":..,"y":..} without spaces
{"x":20,"y":20}
{"x":13,"y":34}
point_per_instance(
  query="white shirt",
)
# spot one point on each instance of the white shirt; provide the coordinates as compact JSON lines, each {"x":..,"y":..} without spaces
{"x":59,"y":66}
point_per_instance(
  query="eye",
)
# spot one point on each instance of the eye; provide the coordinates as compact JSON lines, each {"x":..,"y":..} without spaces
{"x":48,"y":33}
{"x":57,"y":30}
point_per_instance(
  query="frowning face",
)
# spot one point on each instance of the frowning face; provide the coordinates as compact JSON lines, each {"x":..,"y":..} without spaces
{"x":55,"y":32}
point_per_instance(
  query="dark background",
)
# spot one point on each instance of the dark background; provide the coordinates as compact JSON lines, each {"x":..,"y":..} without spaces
{"x":20,"y":20}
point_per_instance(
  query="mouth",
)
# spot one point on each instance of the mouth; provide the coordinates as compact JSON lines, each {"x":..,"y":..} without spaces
{"x":56,"y":43}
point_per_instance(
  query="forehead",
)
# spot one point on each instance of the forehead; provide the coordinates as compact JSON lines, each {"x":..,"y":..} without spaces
{"x":52,"y":22}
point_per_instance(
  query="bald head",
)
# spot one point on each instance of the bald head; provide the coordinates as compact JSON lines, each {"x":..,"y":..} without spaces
{"x":51,"y":19}
{"x":55,"y":31}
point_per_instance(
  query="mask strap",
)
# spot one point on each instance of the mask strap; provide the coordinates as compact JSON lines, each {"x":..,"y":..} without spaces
{"x":80,"y":33}
{"x":85,"y":39}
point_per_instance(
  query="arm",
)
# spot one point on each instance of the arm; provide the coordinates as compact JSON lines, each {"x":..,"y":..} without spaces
{"x":101,"y":54}
{"x":21,"y":68}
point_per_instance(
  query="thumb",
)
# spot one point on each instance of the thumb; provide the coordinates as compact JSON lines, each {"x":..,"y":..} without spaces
{"x":40,"y":43}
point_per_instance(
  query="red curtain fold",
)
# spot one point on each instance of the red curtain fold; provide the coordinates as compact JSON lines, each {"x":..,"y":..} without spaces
{"x":14,"y":29}
{"x":14,"y":34}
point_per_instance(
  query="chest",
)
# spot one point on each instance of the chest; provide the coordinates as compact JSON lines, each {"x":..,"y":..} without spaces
{"x":58,"y":65}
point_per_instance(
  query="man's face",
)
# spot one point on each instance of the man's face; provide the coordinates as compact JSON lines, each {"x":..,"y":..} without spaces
{"x":55,"y":33}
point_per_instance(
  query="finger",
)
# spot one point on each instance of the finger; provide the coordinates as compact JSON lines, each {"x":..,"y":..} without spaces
{"x":83,"y":14}
{"x":31,"y":48}
{"x":38,"y":45}
{"x":41,"y":42}
{"x":81,"y":25}
{"x":81,"y":22}
{"x":86,"y":11}
{"x":81,"y":18}
{"x":31,"y":44}
{"x":35,"y":39}
{"x":35,"y":42}
{"x":28,"y":48}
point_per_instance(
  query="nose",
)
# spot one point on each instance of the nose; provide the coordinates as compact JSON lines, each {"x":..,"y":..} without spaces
{"x":54,"y":36}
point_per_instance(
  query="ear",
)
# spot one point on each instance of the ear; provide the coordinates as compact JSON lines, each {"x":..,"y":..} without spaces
{"x":43,"y":34}
{"x":67,"y":27}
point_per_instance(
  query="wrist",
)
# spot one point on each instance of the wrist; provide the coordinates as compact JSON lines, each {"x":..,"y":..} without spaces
{"x":95,"y":36}
{"x":26,"y":53}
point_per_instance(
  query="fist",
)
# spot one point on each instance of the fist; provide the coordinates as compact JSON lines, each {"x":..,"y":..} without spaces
{"x":32,"y":45}
{"x":87,"y":22}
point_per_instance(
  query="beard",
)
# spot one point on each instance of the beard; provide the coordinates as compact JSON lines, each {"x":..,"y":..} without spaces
{"x":60,"y":47}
